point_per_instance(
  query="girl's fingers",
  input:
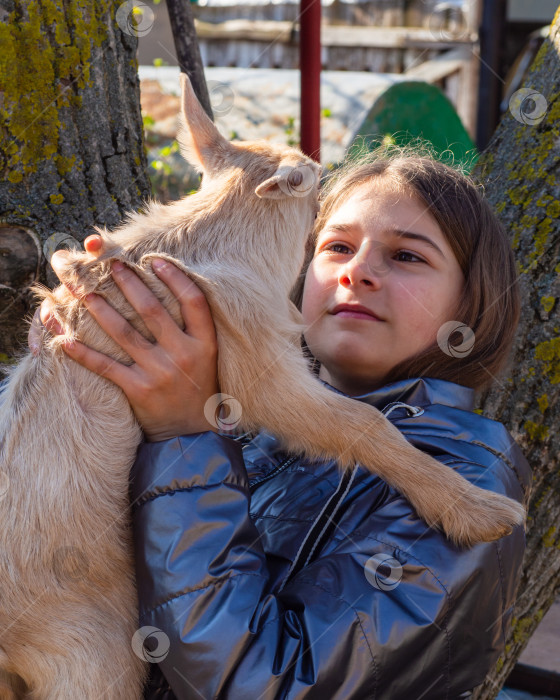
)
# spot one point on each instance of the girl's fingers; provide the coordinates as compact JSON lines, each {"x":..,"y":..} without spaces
{"x":151,"y":310}
{"x":99,"y":363}
{"x":120,"y":330}
{"x":47,"y":319}
{"x":94,"y":244}
{"x":59,"y":260}
{"x":194,"y":306}
{"x":42,"y":319}
{"x":35,"y":335}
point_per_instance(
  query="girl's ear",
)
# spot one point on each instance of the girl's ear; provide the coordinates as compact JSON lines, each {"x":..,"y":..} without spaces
{"x":200,"y":142}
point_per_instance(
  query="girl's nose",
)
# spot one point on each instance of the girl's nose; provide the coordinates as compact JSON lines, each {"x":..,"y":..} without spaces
{"x":367,"y":267}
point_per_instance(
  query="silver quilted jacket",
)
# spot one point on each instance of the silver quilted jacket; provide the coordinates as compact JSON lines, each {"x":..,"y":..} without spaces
{"x":266,"y":576}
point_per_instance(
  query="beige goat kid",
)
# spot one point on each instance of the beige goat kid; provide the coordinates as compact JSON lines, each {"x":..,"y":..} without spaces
{"x":69,"y":438}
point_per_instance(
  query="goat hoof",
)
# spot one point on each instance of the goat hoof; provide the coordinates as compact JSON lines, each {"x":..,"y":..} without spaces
{"x":479,"y":515}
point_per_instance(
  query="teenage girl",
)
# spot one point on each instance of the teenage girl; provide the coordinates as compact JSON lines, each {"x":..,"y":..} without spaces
{"x":270,"y":576}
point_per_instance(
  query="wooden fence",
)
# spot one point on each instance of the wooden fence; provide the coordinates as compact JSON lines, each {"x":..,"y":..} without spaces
{"x":432,"y":41}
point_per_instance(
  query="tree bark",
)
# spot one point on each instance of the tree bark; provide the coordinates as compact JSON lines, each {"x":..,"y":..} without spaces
{"x":188,"y":52}
{"x":521,"y":172}
{"x":71,"y":139}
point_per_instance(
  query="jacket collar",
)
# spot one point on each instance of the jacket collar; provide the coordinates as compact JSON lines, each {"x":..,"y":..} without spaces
{"x":418,"y":392}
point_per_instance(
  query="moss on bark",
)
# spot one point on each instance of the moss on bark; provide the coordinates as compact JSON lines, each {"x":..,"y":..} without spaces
{"x":71,"y":141}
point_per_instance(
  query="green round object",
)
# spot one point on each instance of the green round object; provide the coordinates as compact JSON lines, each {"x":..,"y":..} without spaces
{"x":413,"y":109}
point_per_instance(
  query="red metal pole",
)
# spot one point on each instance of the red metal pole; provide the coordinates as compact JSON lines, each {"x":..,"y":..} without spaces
{"x":310,"y":77}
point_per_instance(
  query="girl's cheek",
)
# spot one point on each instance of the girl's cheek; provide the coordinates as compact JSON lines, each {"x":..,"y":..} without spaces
{"x":315,"y":293}
{"x":309,"y":295}
{"x":321,"y":273}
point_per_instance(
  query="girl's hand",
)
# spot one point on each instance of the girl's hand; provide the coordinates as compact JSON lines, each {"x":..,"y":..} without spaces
{"x":42,"y":318}
{"x":171,"y":379}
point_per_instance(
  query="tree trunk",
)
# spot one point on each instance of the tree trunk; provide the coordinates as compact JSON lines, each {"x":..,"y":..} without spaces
{"x":71,"y":140}
{"x":188,"y":52}
{"x":521,"y":172}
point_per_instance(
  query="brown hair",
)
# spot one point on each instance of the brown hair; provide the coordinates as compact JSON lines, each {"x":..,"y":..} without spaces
{"x":490,"y":303}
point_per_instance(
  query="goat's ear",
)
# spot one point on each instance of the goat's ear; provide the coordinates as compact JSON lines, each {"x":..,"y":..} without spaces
{"x":289,"y":181}
{"x":200,"y":142}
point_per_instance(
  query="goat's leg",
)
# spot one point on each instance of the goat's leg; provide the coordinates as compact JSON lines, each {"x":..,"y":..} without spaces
{"x":50,"y":676}
{"x":72,"y":649}
{"x":279,"y":394}
{"x":12,"y":686}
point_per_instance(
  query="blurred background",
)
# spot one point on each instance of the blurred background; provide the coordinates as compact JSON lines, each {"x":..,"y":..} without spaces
{"x":466,"y":58}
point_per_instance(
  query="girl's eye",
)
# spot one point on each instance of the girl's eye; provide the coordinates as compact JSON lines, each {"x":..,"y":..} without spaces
{"x":343,"y":249}
{"x":406,"y":252}
{"x":332,"y":247}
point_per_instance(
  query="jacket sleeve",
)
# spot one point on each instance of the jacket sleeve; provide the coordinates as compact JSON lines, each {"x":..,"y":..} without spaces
{"x":203,"y":580}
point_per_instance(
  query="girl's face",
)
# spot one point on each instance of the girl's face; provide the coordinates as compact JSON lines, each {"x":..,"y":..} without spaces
{"x":380,"y":250}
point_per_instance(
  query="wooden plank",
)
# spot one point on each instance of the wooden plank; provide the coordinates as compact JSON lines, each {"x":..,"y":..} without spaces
{"x":441,"y":67}
{"x":387,"y":37}
{"x":331,"y":35}
{"x":247,"y":30}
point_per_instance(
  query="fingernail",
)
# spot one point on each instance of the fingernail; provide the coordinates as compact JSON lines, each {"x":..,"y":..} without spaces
{"x":118,"y":266}
{"x":90,"y":297}
{"x":92,"y":243}
{"x":69,"y":344}
{"x":159,"y":264}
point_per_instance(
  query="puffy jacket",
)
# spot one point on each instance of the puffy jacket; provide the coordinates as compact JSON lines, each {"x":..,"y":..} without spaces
{"x":272,"y":576}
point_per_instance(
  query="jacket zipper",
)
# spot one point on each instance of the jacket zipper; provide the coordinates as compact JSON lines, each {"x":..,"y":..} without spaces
{"x":326,"y":521}
{"x":415,"y":410}
{"x":280,"y":468}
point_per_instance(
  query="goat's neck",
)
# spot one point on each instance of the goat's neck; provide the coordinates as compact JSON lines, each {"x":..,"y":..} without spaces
{"x":215,"y":235}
